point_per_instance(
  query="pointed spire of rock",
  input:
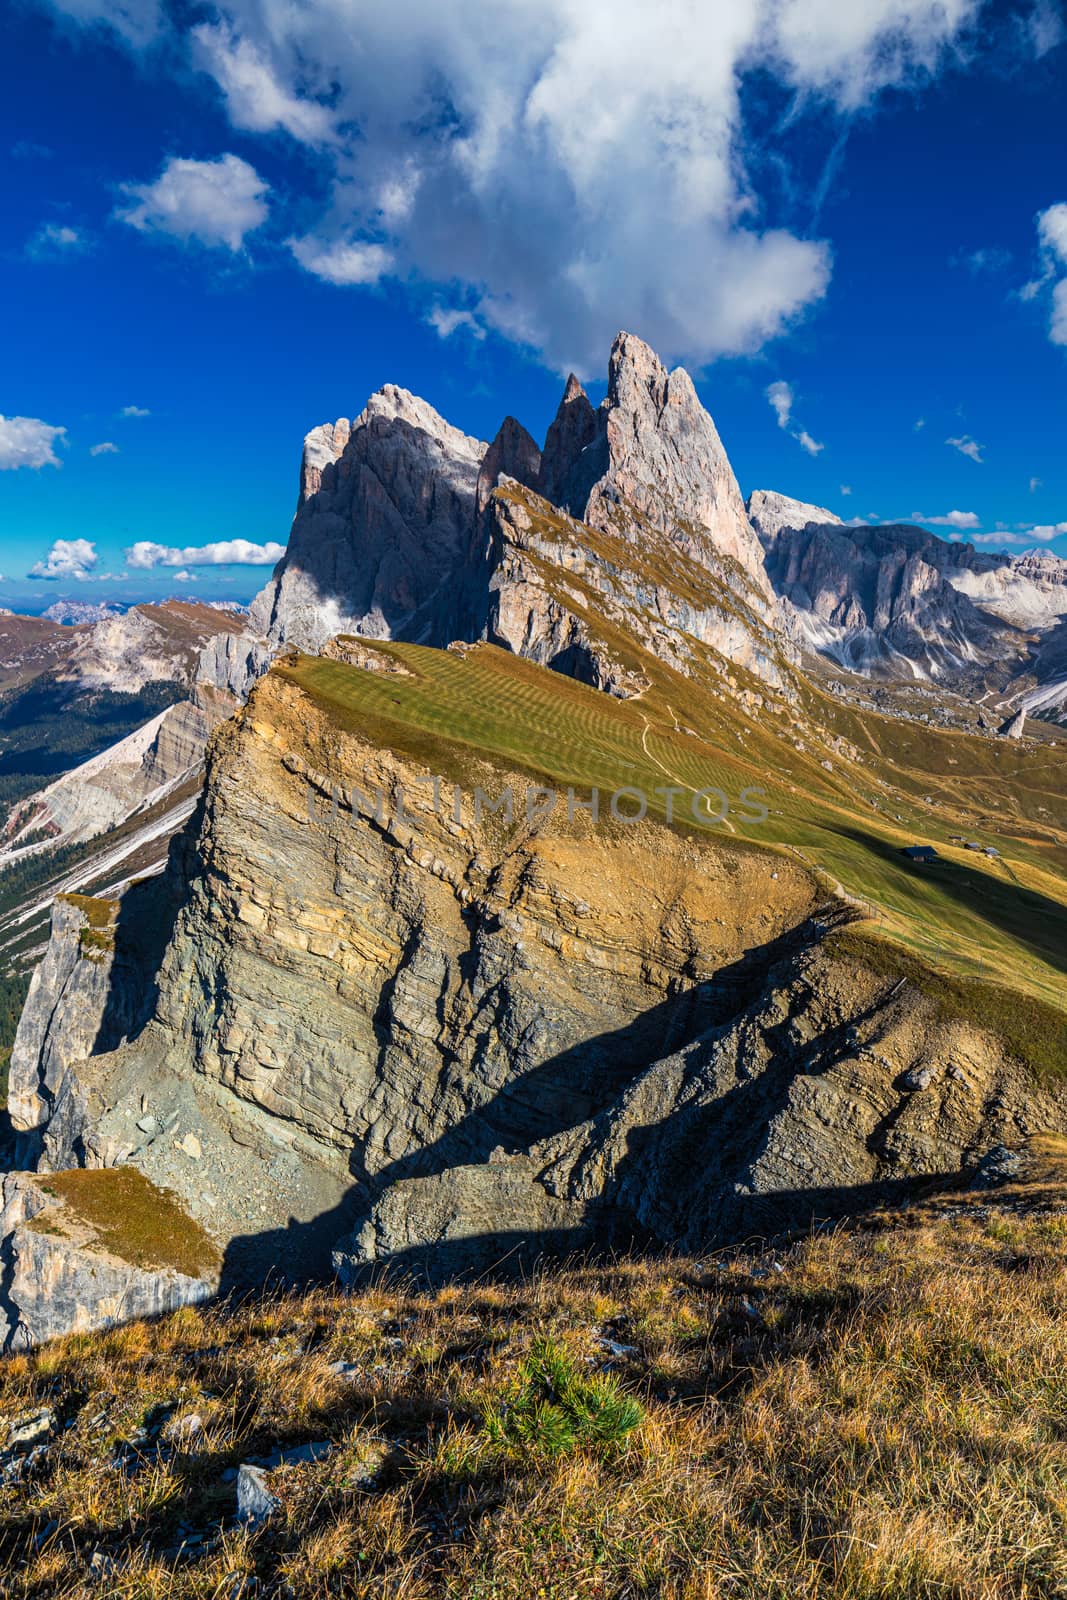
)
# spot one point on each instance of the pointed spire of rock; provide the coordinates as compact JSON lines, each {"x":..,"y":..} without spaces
{"x":572,"y":430}
{"x":665,"y":460}
{"x":512,"y":454}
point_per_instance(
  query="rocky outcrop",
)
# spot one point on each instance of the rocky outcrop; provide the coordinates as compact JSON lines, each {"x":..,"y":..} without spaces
{"x":555,"y":582}
{"x":897,"y":601}
{"x":879,"y":600}
{"x":61,"y":1026}
{"x":385,"y":519}
{"x":92,"y":990}
{"x":772,"y":514}
{"x":202,"y":660}
{"x":147,"y":644}
{"x":85,"y":1250}
{"x":141,"y":771}
{"x":450,"y":1037}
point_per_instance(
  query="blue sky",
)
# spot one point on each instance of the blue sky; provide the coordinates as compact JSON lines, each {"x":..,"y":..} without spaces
{"x":223,"y":226}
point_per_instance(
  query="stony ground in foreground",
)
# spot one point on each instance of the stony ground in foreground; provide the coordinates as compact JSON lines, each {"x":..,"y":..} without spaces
{"x":880,"y":1410}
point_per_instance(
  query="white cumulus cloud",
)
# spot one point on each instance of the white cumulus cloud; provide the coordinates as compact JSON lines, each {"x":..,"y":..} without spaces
{"x":28,"y":442}
{"x":951,"y":519}
{"x":967,"y":447}
{"x":572,"y":165}
{"x":68,"y":558}
{"x":104,"y":448}
{"x":138,"y":22}
{"x":341,"y":262}
{"x":135,"y":411}
{"x":226,"y":552}
{"x":214,"y":202}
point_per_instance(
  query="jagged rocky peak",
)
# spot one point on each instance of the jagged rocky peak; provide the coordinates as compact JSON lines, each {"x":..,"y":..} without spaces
{"x":666,"y":461}
{"x":771,"y":514}
{"x":512,"y":454}
{"x":384,"y":520}
{"x":567,"y":472}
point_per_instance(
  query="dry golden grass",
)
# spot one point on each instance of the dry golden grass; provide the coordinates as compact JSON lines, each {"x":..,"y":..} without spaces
{"x":875,"y":1413}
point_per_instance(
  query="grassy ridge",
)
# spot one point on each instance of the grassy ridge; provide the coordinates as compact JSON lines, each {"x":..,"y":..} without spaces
{"x":847,"y":816}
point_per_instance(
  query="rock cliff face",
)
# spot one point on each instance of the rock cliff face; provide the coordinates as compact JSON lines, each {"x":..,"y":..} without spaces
{"x":385,"y":518}
{"x":555,"y":582}
{"x":772,"y":514}
{"x":67,"y":1268}
{"x":878,"y":600}
{"x":897,"y":601}
{"x":665,"y":460}
{"x":435,"y":1042}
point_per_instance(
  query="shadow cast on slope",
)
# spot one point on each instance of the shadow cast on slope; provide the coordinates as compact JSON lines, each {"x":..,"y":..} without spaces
{"x":1036,"y":921}
{"x":675,"y":1183}
{"x":147,"y":914}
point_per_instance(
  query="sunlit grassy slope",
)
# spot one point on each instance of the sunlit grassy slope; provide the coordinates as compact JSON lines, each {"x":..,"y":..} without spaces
{"x":846,"y":791}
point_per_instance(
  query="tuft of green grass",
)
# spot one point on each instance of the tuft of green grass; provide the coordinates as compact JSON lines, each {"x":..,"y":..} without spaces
{"x":557,"y":1409}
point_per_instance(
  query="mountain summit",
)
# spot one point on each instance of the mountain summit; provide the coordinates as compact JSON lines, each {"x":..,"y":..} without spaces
{"x":408,"y":529}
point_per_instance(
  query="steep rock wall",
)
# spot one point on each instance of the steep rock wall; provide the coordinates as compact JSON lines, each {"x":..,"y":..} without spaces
{"x":443,"y":1041}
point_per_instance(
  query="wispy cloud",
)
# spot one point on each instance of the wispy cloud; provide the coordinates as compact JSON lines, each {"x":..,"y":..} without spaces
{"x":1052,"y":250}
{"x":1043,"y":532}
{"x":967,"y":447}
{"x":105,"y":448}
{"x":984,"y":262}
{"x":135,"y":411}
{"x":781,"y":398}
{"x":446,"y":322}
{"x":56,"y":241}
